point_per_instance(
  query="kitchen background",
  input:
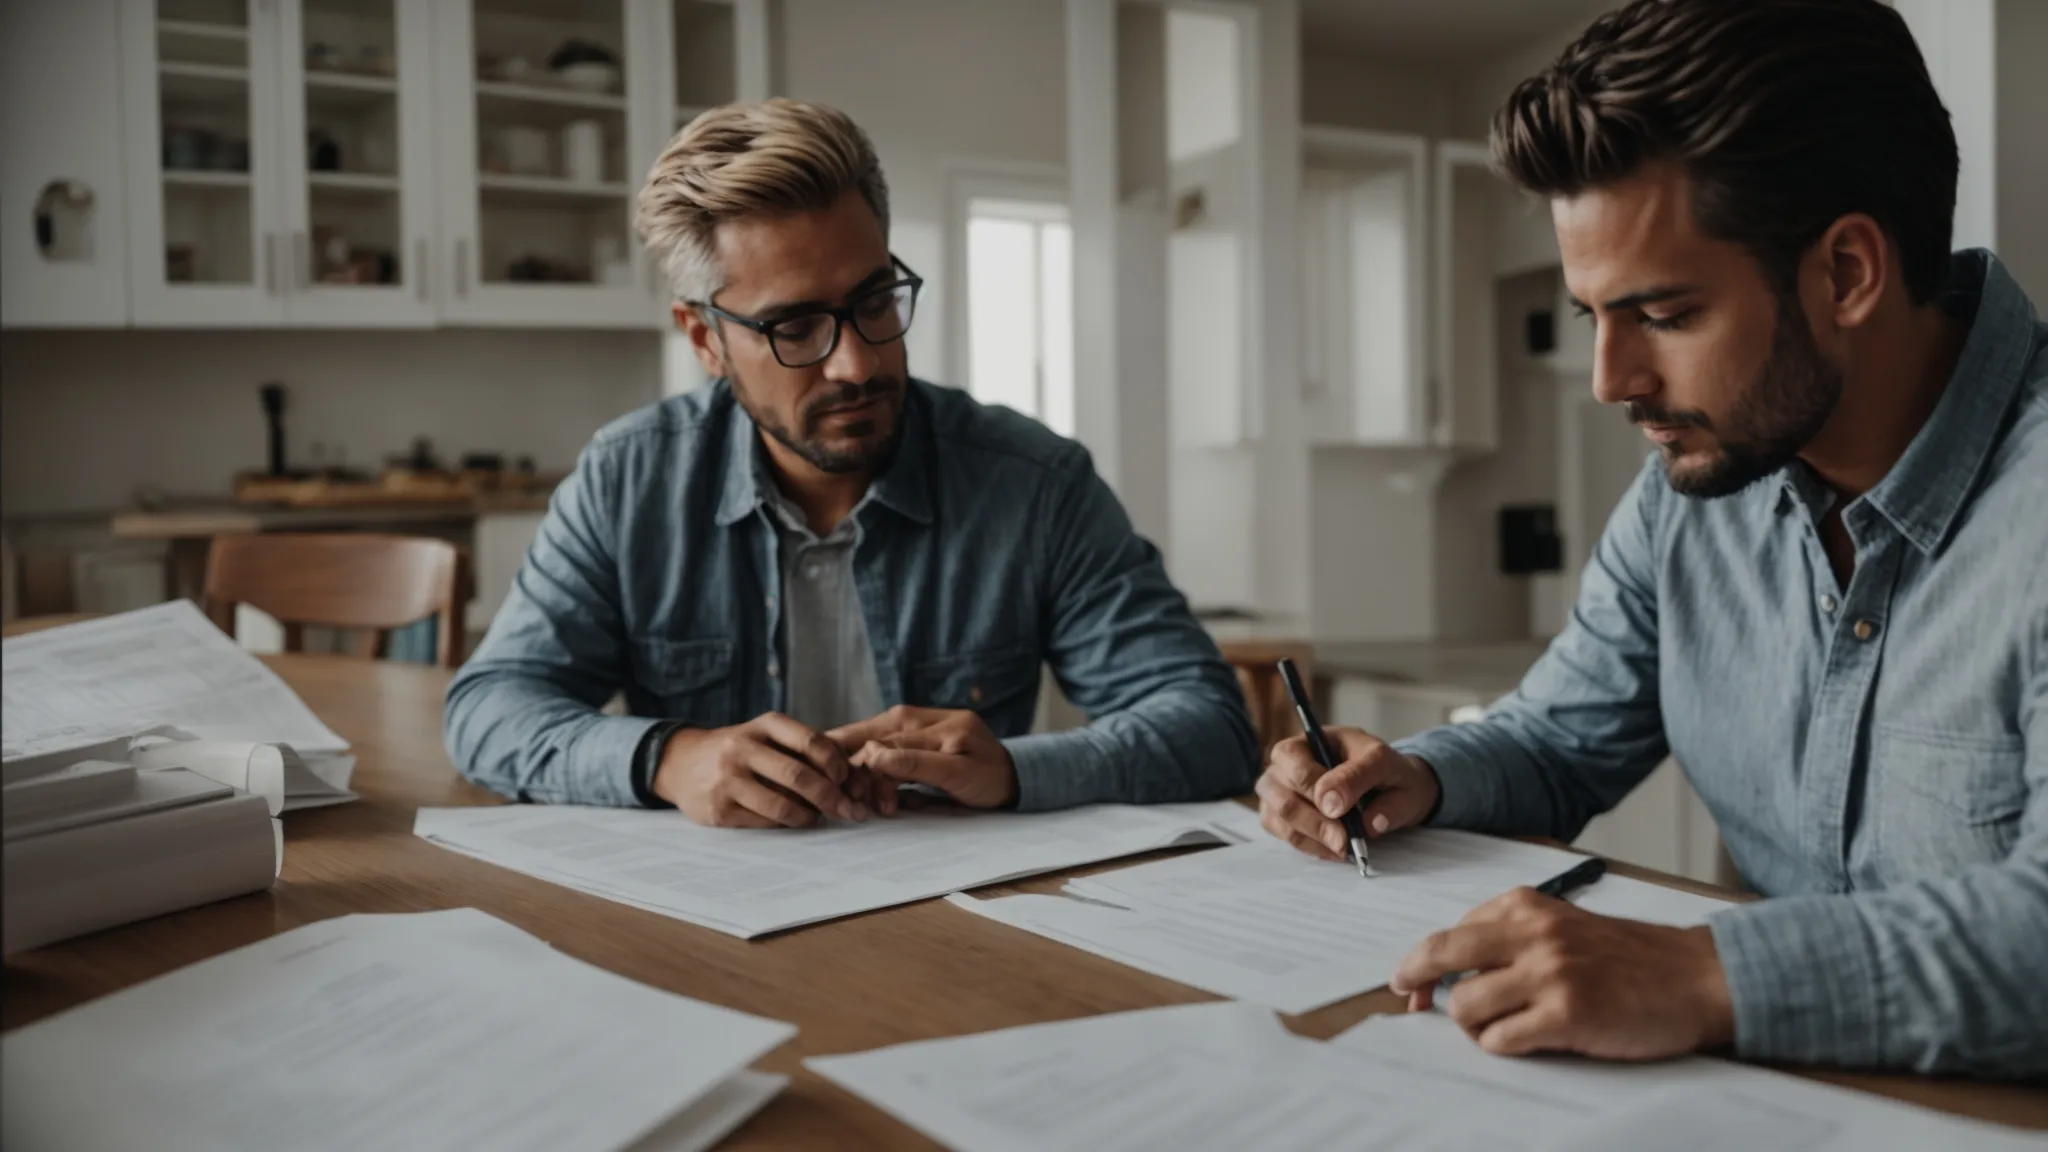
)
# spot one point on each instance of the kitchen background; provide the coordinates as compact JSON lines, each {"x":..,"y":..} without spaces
{"x":1248,"y":251}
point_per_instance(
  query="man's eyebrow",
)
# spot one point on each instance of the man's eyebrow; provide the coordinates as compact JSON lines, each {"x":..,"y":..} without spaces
{"x":775,"y":312}
{"x":1655,"y":294}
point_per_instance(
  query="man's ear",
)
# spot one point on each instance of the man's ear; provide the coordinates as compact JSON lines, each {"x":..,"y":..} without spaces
{"x":1859,"y":267}
{"x":704,"y":339}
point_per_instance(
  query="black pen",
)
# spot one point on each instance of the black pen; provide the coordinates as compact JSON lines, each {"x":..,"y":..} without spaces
{"x":1354,"y":824}
{"x":1560,"y":886}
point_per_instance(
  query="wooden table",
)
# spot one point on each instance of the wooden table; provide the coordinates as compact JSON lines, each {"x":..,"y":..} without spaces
{"x":916,"y":972}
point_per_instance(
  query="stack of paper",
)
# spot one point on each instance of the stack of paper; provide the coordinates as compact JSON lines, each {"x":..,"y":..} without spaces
{"x":1206,"y":1076}
{"x":1696,"y":1104}
{"x":81,"y":692}
{"x":751,"y":882}
{"x":1264,"y":923}
{"x":434,"y":1030}
{"x":99,"y":844}
{"x":1227,"y":1077}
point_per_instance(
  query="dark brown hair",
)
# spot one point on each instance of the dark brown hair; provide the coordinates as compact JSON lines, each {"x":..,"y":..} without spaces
{"x":1786,"y":115}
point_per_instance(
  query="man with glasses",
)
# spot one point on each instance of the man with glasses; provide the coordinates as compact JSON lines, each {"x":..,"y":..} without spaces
{"x":817,"y":578}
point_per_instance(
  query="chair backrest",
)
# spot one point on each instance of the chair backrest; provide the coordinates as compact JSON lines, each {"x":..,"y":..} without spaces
{"x":368,"y":584}
{"x":1265,"y":693}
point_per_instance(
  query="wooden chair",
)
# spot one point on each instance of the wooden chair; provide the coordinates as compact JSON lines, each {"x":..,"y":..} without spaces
{"x":368,"y":584}
{"x":1265,"y":693}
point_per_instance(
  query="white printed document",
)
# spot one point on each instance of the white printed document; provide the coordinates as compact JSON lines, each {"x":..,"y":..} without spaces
{"x":1264,"y":923}
{"x":1693,"y":1104}
{"x":750,"y":882}
{"x":430,"y":1030}
{"x":84,"y":684}
{"x":275,"y":772}
{"x":1221,"y":1076}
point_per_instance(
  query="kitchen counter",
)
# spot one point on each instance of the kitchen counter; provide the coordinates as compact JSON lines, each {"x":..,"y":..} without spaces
{"x":1489,"y":669}
{"x":225,"y":518}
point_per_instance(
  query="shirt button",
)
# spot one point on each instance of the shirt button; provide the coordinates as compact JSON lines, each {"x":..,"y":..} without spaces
{"x":814,"y":571}
{"x":1865,"y":629}
{"x":774,"y":668}
{"x":1827,"y":603}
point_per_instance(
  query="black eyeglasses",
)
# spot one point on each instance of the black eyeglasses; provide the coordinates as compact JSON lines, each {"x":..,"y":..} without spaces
{"x":880,"y":314}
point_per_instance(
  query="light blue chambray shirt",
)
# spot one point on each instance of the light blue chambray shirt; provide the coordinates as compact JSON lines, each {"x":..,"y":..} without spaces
{"x":1876,"y":756}
{"x":989,"y":549}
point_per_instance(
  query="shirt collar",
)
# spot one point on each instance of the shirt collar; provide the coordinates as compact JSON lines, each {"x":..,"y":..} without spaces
{"x":1925,"y":491}
{"x":905,"y":487}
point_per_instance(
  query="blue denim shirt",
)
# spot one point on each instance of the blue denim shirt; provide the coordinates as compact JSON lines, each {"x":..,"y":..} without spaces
{"x":989,"y":548}
{"x":1876,"y":756}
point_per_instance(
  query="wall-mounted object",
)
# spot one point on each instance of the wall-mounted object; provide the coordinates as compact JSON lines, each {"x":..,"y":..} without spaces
{"x":1529,"y":540}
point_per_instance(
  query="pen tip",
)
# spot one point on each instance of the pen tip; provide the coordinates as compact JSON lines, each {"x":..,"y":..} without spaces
{"x":1358,"y":857}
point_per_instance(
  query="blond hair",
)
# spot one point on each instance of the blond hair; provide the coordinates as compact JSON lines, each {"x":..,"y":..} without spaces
{"x":773,"y":158}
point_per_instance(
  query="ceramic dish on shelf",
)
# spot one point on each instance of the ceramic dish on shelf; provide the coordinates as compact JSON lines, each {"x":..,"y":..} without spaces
{"x":589,"y":76}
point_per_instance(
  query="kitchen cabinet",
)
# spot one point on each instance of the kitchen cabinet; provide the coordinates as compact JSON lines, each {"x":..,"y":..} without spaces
{"x":537,"y":179}
{"x":349,"y":163}
{"x":1365,"y":363}
{"x":1466,"y":210}
{"x":63,"y":231}
{"x":1398,"y":266}
{"x":278,"y":162}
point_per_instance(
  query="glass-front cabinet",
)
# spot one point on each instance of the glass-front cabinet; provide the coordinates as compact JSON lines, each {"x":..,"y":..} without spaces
{"x":278,"y":161}
{"x":543,"y":148}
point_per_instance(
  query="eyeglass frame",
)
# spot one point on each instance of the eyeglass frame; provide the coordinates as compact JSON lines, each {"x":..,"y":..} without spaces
{"x":842,"y":316}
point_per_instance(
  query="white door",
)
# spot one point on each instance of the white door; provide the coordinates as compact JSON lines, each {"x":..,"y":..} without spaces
{"x":536,"y":162}
{"x":206,"y":243}
{"x":356,"y":161}
{"x":63,"y":231}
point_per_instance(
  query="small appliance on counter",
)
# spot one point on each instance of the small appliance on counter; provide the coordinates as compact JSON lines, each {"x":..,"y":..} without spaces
{"x":415,"y":478}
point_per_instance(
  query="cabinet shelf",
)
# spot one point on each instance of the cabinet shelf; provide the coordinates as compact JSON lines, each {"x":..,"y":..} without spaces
{"x":203,"y":30}
{"x":547,"y":191}
{"x":184,"y":82}
{"x":558,"y":97}
{"x":201,"y":178}
{"x":358,"y":182}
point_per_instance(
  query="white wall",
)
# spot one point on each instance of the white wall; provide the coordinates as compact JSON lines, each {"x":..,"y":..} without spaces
{"x":1351,"y":93}
{"x":1959,"y":41}
{"x":86,"y":418}
{"x":931,"y":81}
{"x":2022,"y":139}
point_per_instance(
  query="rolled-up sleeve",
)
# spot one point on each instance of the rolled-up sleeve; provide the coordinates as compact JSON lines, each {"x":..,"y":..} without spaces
{"x":1167,"y":719}
{"x":523,"y":715}
{"x":1584,"y":726}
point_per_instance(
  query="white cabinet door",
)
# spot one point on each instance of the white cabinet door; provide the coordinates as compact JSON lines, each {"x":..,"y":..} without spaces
{"x":531,"y":233}
{"x":701,"y":53}
{"x":1465,"y":374}
{"x":63,"y":222}
{"x":1365,"y":275}
{"x":206,"y":243}
{"x":356,"y":161}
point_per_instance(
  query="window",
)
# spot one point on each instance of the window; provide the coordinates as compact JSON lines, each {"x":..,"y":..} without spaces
{"x":1020,"y":308}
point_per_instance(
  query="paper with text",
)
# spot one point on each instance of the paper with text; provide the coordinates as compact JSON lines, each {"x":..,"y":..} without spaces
{"x":1190,"y":1078}
{"x":274,"y":771}
{"x":86,"y":683}
{"x":1264,"y":923}
{"x":750,"y":882}
{"x":1693,"y":1104}
{"x":428,"y":1030}
{"x":702,"y":1125}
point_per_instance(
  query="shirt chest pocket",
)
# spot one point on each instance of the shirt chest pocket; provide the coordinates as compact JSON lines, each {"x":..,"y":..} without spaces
{"x":1000,"y":683}
{"x":689,"y":680}
{"x":1943,"y":803}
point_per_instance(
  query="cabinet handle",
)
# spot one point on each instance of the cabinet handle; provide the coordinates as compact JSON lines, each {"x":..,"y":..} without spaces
{"x":269,"y":263}
{"x":419,"y":266}
{"x":462,"y":267}
{"x":302,"y":254}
